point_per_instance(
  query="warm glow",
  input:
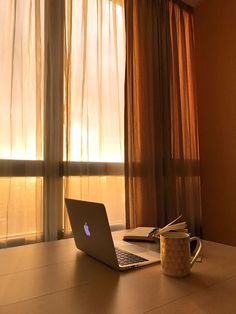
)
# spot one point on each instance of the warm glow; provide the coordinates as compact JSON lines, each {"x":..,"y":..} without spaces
{"x":20,"y":207}
{"x":96,"y":108}
{"x":20,"y":81}
{"x":97,"y":83}
{"x":108,"y":190}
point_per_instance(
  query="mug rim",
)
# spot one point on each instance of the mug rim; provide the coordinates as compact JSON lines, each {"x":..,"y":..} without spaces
{"x":175,"y":235}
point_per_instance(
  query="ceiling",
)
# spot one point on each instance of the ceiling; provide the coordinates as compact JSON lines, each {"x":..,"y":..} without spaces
{"x":193,"y":3}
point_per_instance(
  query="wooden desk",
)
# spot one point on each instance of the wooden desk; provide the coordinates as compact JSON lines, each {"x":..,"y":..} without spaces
{"x":55,"y":277}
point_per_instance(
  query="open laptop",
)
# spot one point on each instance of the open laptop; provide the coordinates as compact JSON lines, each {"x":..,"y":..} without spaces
{"x":92,"y":235}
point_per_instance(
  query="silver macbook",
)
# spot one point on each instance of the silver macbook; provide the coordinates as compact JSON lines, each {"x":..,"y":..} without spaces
{"x":92,"y":235}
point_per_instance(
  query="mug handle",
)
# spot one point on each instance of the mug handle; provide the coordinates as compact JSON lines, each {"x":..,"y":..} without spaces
{"x":198,"y":249}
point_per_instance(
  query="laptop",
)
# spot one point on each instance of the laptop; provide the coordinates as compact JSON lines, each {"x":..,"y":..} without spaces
{"x":92,"y":235}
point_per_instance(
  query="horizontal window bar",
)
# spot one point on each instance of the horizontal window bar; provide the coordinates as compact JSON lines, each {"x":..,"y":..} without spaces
{"x":34,"y":168}
{"x":73,"y":168}
{"x":21,"y":168}
{"x":30,"y":168}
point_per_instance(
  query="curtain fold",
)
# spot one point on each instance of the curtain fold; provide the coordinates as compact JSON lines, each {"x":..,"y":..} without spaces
{"x":160,"y":183}
{"x":184,"y":124}
{"x":147,"y":101}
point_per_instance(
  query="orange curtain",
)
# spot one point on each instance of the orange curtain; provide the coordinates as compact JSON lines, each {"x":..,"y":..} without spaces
{"x":161,"y":159}
{"x":184,"y":124}
{"x":146,"y":110}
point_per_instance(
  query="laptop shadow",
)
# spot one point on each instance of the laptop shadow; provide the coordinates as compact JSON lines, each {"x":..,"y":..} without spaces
{"x":96,"y":285}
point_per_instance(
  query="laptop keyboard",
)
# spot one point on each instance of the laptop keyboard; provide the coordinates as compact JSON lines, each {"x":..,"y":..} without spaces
{"x":126,"y":258}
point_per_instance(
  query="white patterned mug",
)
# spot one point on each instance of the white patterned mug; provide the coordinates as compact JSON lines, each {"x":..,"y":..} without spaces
{"x":176,"y":259}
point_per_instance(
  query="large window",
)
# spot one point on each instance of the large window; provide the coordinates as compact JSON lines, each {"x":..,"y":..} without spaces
{"x":31,"y":170}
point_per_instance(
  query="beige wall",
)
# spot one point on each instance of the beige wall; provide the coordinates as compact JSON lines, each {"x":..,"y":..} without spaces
{"x":215,"y":27}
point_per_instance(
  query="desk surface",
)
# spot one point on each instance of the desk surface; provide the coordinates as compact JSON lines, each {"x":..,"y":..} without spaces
{"x":55,"y":277}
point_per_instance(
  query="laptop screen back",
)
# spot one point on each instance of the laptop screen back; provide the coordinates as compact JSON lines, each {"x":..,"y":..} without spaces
{"x":91,"y":230}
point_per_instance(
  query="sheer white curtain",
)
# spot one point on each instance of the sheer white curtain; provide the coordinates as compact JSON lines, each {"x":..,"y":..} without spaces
{"x":94,"y":97}
{"x":96,"y":55}
{"x":21,"y":88}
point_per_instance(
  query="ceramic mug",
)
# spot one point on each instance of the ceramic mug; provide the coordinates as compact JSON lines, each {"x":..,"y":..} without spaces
{"x":176,"y":259}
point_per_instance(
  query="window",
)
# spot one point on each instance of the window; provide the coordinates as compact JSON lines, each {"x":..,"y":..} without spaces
{"x":92,"y":125}
{"x":95,"y":114}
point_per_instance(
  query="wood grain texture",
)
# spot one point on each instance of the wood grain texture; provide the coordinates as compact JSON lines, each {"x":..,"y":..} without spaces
{"x":55,"y":277}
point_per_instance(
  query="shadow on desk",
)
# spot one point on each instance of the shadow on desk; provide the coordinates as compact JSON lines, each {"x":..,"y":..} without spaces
{"x":102,"y":283}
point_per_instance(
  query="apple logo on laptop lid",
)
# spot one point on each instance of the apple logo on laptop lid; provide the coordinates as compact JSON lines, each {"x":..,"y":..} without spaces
{"x":86,"y":229}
